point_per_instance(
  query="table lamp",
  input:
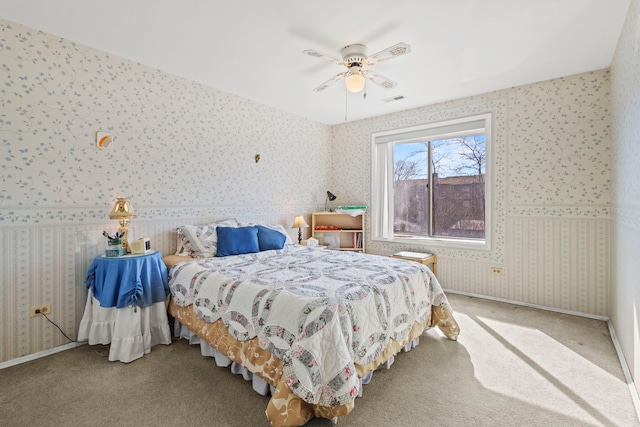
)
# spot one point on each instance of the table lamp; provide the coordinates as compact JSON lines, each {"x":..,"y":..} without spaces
{"x":299,"y":223}
{"x":123,"y":212}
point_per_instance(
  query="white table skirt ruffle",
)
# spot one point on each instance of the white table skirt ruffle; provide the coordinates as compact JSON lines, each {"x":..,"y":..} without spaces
{"x":131,"y":331}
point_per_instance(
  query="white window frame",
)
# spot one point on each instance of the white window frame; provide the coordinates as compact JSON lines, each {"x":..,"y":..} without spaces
{"x":382,"y":164}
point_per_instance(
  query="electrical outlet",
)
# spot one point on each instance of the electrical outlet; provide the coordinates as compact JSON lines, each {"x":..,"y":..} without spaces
{"x":40,"y":309}
{"x":496,"y":270}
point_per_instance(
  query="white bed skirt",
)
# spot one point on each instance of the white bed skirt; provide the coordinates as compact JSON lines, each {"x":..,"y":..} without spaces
{"x":131,"y":331}
{"x":260,"y":385}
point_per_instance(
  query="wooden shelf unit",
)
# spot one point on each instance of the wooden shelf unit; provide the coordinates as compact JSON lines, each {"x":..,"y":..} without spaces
{"x":347,"y":230}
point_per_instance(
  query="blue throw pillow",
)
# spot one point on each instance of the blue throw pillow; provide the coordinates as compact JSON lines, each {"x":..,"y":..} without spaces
{"x":237,"y":240}
{"x":269,"y":239}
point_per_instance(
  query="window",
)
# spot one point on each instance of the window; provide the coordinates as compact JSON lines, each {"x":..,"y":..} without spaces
{"x":430,"y":183}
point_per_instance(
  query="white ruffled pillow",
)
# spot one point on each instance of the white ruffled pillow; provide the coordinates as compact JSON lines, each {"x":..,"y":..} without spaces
{"x":201,"y":241}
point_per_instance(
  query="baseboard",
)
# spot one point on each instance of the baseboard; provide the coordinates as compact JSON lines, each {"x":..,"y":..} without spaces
{"x":40,"y":354}
{"x":616,"y":344}
{"x":625,"y":368}
{"x":525,"y":304}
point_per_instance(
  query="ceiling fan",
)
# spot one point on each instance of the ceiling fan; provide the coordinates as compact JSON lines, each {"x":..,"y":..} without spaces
{"x":354,"y":57}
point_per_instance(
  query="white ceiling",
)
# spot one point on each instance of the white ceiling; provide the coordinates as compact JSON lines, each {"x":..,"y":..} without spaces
{"x":253,"y":48}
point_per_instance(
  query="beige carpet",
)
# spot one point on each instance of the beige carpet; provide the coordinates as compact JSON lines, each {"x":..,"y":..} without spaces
{"x":513,"y":366}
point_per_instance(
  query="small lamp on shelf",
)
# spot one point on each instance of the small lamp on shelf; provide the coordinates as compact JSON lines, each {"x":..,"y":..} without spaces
{"x":123,"y":211}
{"x":299,"y":223}
{"x":330,"y":198}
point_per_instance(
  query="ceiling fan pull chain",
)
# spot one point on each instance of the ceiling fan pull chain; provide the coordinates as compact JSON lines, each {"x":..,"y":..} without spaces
{"x":346,"y":95}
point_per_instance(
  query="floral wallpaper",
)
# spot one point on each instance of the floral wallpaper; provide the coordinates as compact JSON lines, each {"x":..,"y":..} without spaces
{"x":559,"y":142}
{"x":176,"y":142}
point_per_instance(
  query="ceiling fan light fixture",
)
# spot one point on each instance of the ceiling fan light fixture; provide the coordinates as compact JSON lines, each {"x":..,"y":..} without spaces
{"x":354,"y":82}
{"x":354,"y":57}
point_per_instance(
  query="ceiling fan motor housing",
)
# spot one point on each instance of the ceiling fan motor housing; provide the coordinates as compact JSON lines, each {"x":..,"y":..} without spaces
{"x":354,"y":54}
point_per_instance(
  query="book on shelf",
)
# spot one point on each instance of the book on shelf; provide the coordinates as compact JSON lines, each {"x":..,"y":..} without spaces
{"x":357,"y":240}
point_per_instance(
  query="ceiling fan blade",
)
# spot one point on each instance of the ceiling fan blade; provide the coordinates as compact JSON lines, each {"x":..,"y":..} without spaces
{"x":381,"y":81}
{"x":329,"y":82}
{"x":317,"y":54}
{"x":390,"y":52}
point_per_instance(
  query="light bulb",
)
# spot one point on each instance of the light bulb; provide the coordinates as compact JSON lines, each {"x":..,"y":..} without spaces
{"x":354,"y":82}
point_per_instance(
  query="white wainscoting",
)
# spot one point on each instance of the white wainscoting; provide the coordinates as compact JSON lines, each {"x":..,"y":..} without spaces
{"x":552,"y":262}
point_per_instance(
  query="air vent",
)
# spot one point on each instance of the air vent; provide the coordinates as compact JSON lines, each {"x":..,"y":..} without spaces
{"x":394,"y":98}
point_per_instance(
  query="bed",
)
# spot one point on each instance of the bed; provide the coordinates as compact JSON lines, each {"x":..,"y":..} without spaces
{"x":311,"y":324}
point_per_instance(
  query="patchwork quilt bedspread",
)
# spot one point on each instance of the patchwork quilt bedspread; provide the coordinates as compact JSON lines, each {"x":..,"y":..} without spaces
{"x":320,"y":311}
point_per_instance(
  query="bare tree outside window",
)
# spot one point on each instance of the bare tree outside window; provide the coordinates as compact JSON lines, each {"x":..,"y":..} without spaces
{"x":411,"y":194}
{"x":454,"y":206}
